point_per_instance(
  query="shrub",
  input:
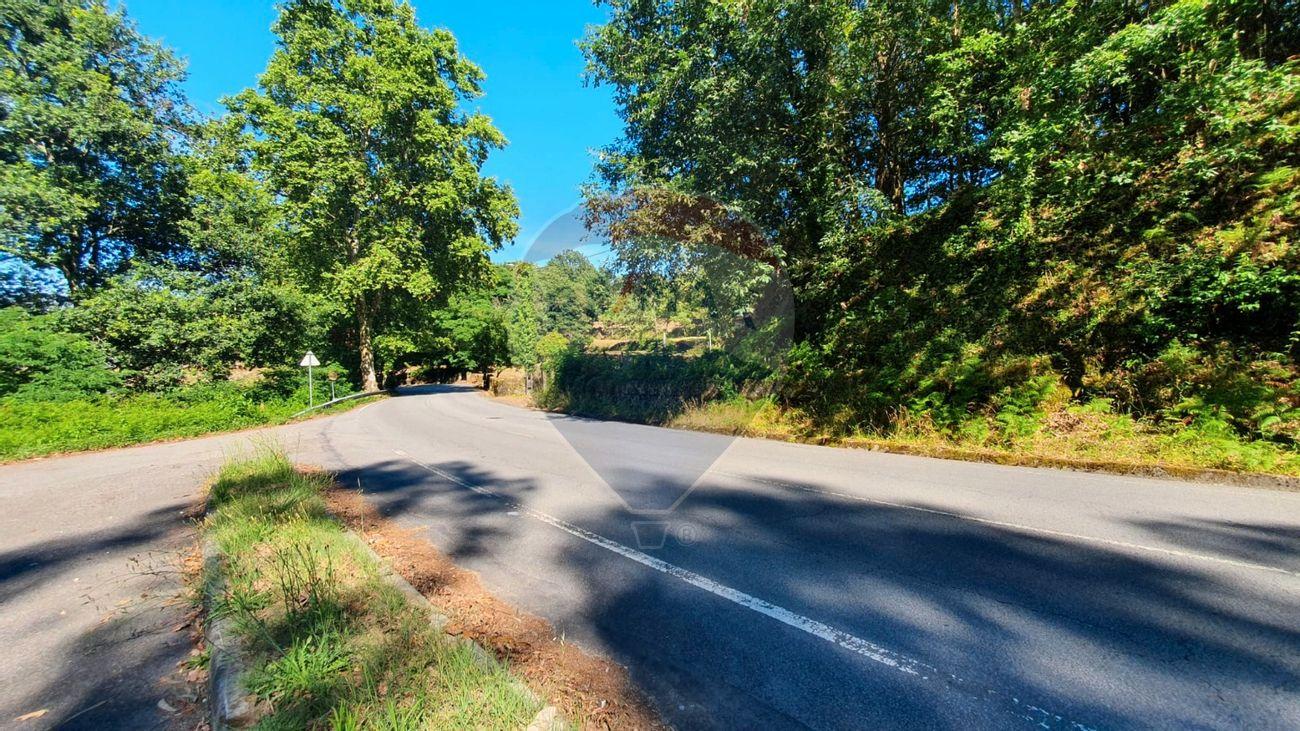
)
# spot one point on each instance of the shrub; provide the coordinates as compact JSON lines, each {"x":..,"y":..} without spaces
{"x":156,"y":325}
{"x":647,"y":387}
{"x":39,"y":362}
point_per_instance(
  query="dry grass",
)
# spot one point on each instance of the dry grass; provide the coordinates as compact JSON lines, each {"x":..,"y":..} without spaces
{"x":589,"y":691}
{"x":1077,"y":437}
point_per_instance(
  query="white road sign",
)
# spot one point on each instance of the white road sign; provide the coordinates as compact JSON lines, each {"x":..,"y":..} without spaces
{"x":309,"y":360}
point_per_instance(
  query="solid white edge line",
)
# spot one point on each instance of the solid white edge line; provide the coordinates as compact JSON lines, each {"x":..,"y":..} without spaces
{"x":869,"y":650}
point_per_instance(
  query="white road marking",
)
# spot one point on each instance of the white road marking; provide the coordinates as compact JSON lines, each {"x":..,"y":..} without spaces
{"x":884,"y":656}
{"x":1020,"y":527}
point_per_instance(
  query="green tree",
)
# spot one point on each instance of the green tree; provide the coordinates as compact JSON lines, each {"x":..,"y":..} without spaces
{"x":523,"y":312}
{"x":235,"y":224}
{"x":358,"y":129}
{"x":91,"y":118}
{"x":574,"y":294}
{"x":729,"y":102}
{"x":551,"y":345}
{"x":472,"y":335}
{"x":155,"y":323}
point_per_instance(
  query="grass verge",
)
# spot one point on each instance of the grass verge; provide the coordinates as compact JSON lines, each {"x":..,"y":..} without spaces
{"x":37,"y":428}
{"x":590,"y":692}
{"x":335,"y":646}
{"x":1078,"y":436}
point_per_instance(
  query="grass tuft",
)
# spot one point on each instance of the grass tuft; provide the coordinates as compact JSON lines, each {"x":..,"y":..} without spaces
{"x":335,"y":646}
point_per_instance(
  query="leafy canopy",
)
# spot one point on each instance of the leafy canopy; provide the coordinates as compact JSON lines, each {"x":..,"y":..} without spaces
{"x":358,"y":128}
{"x":89,"y":128}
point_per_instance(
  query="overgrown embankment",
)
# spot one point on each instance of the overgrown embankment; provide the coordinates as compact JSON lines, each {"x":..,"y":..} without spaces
{"x":1051,"y":228}
{"x":333,"y":645}
{"x":32,"y":428}
{"x":650,"y":387}
{"x":1036,"y":422}
{"x":61,"y":391}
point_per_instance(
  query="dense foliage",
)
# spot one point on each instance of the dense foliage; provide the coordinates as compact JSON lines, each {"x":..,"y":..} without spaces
{"x":358,"y":129}
{"x":169,"y":271}
{"x":90,"y":115}
{"x":38,"y":361}
{"x":64,"y":390}
{"x":990,"y":209}
{"x":648,"y":387}
{"x":156,"y":324}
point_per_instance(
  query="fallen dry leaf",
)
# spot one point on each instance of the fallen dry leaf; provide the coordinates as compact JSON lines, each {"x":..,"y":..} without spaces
{"x":32,"y":715}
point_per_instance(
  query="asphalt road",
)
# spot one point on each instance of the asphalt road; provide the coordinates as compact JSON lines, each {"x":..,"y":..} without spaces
{"x":90,"y":590}
{"x":748,"y":583}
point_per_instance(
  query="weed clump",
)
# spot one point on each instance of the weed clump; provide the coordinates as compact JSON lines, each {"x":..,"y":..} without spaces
{"x":334,"y":645}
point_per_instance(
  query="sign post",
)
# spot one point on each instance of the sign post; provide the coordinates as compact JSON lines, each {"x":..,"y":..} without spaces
{"x":308,"y":361}
{"x":333,"y":376}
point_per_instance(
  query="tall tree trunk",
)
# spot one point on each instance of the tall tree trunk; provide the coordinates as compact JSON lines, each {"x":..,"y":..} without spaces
{"x":369,"y":380}
{"x":69,"y":273}
{"x":69,"y":263}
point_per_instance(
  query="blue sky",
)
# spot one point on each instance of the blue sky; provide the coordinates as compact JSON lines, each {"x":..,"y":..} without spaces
{"x":535,"y":92}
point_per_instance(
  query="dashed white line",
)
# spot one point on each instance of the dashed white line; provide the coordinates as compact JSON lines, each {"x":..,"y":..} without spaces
{"x":865,"y":648}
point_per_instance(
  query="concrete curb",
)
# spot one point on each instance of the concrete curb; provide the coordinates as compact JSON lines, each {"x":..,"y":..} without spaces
{"x":231,"y":706}
{"x":546,"y":719}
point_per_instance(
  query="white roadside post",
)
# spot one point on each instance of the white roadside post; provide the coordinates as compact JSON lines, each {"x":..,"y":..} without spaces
{"x":308,"y":361}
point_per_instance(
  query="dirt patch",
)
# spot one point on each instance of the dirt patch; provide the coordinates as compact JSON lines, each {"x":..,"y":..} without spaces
{"x":514,"y":399}
{"x":591,"y":692}
{"x":510,"y":382}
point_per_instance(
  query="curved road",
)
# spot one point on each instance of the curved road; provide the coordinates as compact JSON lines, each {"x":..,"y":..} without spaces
{"x":749,"y":583}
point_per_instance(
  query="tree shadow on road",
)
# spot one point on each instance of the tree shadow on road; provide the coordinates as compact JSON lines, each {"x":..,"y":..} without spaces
{"x":1096,"y":634}
{"x":402,"y":490}
{"x":1004,"y":618}
{"x":104,"y":673}
{"x":24,"y":569}
{"x":1273,"y":544}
